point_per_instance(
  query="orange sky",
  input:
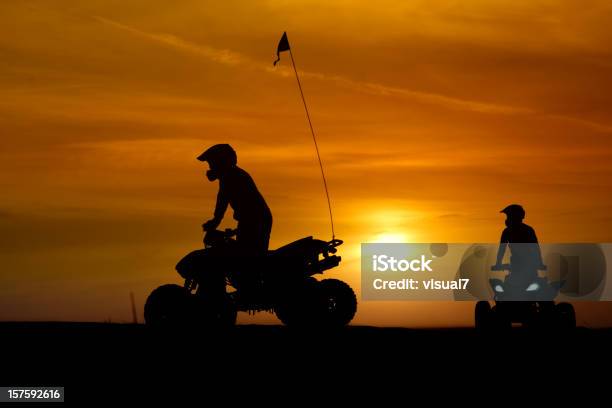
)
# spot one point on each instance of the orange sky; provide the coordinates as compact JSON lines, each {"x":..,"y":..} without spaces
{"x":431,"y":116}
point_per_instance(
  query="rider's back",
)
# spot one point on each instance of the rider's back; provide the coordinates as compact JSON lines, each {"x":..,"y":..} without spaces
{"x":523,"y":244}
{"x":242,"y":194}
{"x":519,"y":233}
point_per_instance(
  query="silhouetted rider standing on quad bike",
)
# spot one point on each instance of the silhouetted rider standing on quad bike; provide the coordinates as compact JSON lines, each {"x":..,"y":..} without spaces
{"x":238,"y":190}
{"x":526,"y":257}
{"x":281,"y":280}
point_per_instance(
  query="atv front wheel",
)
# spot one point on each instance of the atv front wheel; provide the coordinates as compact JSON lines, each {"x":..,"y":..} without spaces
{"x":168,"y":305}
{"x":566,"y":316}
{"x":482,"y":315}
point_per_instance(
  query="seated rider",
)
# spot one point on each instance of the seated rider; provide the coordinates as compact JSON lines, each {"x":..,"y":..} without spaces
{"x":526,"y":257}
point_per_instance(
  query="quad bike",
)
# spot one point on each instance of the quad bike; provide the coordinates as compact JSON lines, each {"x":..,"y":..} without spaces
{"x":528,"y":303}
{"x":281,"y":281}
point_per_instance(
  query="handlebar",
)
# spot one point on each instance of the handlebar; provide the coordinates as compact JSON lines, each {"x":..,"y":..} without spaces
{"x":508,"y":267}
{"x":228,"y":232}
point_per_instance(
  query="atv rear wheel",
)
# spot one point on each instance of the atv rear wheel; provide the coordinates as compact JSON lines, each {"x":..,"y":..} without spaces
{"x":329,"y":303}
{"x":336,"y":303}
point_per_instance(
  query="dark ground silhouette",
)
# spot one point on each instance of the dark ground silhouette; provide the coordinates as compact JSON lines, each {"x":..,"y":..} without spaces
{"x":82,"y":355}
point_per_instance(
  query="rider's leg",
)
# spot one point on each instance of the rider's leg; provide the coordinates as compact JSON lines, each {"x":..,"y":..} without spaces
{"x":253,"y":236}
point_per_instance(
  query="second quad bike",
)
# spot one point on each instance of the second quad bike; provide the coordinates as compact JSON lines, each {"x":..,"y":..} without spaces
{"x":528,"y":303}
{"x":281,"y":282}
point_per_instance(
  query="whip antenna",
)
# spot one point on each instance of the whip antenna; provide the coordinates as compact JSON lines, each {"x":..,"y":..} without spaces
{"x":283,"y":45}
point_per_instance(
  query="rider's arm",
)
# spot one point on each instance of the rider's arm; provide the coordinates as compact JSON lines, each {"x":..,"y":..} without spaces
{"x":222,"y":203}
{"x":535,"y":239}
{"x":503,"y":242}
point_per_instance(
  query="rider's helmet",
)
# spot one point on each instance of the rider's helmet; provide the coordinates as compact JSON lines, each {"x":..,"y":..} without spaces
{"x":220,"y":157}
{"x":514,"y":211}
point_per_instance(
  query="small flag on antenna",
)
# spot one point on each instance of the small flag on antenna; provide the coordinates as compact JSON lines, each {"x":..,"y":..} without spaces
{"x":283,"y":45}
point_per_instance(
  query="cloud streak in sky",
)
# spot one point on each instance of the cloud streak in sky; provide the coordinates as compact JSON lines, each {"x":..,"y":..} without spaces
{"x":231,"y":58}
{"x":221,"y":56}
